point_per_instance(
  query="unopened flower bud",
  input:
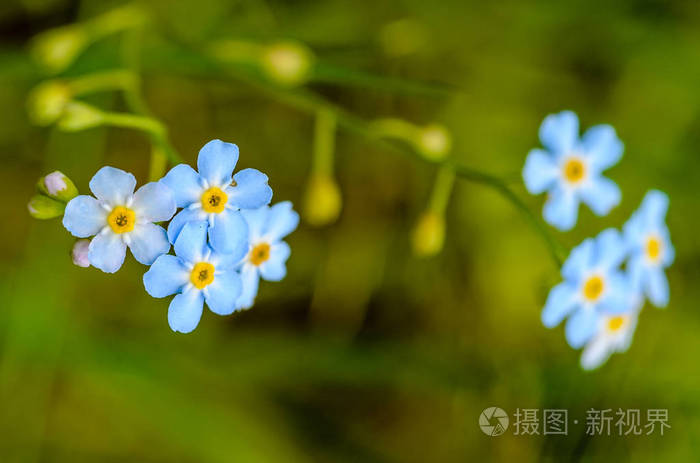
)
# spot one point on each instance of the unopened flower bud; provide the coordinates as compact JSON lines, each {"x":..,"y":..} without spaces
{"x":429,"y":234}
{"x":58,"y":186}
{"x":434,"y":142}
{"x":80,"y":116}
{"x":43,"y":207}
{"x":79,"y":253}
{"x":323,"y":200}
{"x":56,"y":49}
{"x":287,"y":63}
{"x":46,"y":102}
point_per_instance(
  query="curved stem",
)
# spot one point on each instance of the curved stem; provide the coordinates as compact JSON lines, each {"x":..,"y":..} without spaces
{"x":330,"y":74}
{"x":309,"y":102}
{"x":161,"y":148}
{"x":466,"y":173}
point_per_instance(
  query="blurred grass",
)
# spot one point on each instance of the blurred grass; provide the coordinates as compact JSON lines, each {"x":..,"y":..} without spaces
{"x":363,"y":353}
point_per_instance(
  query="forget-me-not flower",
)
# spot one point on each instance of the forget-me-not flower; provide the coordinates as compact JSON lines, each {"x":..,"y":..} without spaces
{"x":195,"y":274}
{"x":570,"y":169}
{"x":650,"y":247}
{"x":118,"y":218}
{"x":593,"y":285}
{"x":213,"y":195}
{"x":613,"y":334}
{"x":267,"y":252}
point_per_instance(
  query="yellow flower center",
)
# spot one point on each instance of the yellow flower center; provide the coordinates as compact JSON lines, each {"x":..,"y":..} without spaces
{"x":593,"y":288}
{"x":121,"y":219}
{"x":574,"y":170}
{"x":259,"y":254}
{"x":653,"y":248}
{"x":615,"y":323}
{"x":214,"y":200}
{"x":202,"y":275}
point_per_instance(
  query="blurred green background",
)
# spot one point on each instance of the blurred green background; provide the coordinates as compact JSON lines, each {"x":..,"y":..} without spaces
{"x":364,"y":352}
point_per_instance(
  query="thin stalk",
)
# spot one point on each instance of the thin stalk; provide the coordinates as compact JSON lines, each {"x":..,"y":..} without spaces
{"x":324,"y":143}
{"x":161,"y":148}
{"x":442,"y":190}
{"x":309,"y":102}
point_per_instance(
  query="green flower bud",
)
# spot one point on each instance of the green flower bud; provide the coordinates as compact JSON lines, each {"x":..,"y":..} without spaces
{"x":434,"y":142}
{"x":323,"y":200}
{"x":57,"y":186}
{"x":43,"y":207}
{"x":56,"y":49}
{"x":429,"y":234}
{"x":287,"y":63}
{"x":47,"y":101}
{"x":80,"y":116}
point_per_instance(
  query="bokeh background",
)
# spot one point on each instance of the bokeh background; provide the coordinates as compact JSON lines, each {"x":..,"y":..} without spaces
{"x":364,"y":352}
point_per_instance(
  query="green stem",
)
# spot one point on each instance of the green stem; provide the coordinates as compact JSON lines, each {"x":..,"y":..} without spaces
{"x":310,"y":102}
{"x":134,"y":121}
{"x":99,"y":81}
{"x":161,"y":148}
{"x":324,"y":143}
{"x":466,"y":173}
{"x":442,"y":190}
{"x":328,"y":73}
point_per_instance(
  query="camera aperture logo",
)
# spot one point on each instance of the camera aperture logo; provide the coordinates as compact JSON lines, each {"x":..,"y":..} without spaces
{"x":493,"y":421}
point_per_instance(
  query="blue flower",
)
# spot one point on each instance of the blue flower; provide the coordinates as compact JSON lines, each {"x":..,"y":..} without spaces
{"x":570,"y":169}
{"x":650,"y":247}
{"x":119,"y":218}
{"x":593,"y":285}
{"x":213,"y":195}
{"x":267,"y":252}
{"x":613,"y":334}
{"x":195,"y":274}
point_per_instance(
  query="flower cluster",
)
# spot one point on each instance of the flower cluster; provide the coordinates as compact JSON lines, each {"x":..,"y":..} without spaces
{"x":606,"y":279}
{"x":225,"y":236}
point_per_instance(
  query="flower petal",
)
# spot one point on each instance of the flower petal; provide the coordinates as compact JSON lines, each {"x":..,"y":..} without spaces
{"x":154,"y":202}
{"x":147,"y":242}
{"x":229,"y":235}
{"x":84,"y":216}
{"x":601,"y":194}
{"x":596,"y":352}
{"x":221,"y":295}
{"x":257,"y":221}
{"x":540,"y":171}
{"x":183,"y":217}
{"x":281,"y":222}
{"x":560,"y":302}
{"x":654,"y":207}
{"x":559,"y":132}
{"x":185,"y":311}
{"x":216,"y":162}
{"x":619,"y":294}
{"x":273,"y":269}
{"x":113,"y":186}
{"x":250,"y":280}
{"x":185,"y":184}
{"x":561,"y":209}
{"x":228,"y":261}
{"x":602,"y":146}
{"x":107,"y":252}
{"x":191,"y":244}
{"x":251,"y":190}
{"x":637,"y":271}
{"x":669,"y":252}
{"x":658,"y":291}
{"x":166,"y":276}
{"x":611,"y":249}
{"x":581,"y":326}
{"x":579,"y":260}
